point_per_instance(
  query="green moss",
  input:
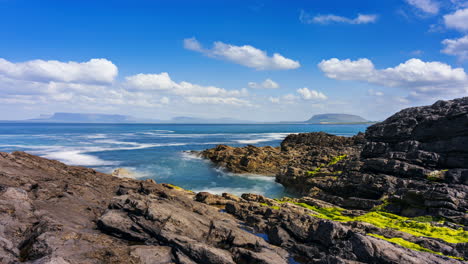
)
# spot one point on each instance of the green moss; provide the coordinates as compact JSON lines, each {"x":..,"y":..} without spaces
{"x":428,"y":219}
{"x":388,"y":220}
{"x":174,"y":186}
{"x":271,"y":206}
{"x":314,"y":172}
{"x":410,"y":245}
{"x":381,"y":207}
{"x":334,"y":160}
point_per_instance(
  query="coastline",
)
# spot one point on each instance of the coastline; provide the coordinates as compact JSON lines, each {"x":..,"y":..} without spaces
{"x":361,"y":201}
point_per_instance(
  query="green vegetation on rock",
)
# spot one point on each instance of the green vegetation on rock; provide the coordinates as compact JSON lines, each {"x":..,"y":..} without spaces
{"x":387,"y":220}
{"x":437,"y":175}
{"x":271,"y":206}
{"x":334,"y":160}
{"x":410,"y":245}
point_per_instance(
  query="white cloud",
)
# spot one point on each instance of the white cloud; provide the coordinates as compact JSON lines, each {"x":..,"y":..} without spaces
{"x":328,"y":19}
{"x":192,"y":44}
{"x":427,"y":6}
{"x":164,"y":100}
{"x":459,"y":3}
{"x":457,"y":47}
{"x":267,"y":84}
{"x":218,"y":100}
{"x":163,"y":82}
{"x":457,"y":20}
{"x":373,"y":92}
{"x":274,"y":100}
{"x":307,"y":94}
{"x":414,"y":74}
{"x":142,"y":81}
{"x":244,"y":55}
{"x":92,"y":71}
{"x":289,"y":97}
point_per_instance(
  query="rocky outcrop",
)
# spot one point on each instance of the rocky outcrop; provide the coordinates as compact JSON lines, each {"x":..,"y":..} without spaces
{"x":299,"y":157}
{"x":415,"y":163}
{"x":422,"y":153}
{"x":53,"y":213}
{"x":397,"y":194}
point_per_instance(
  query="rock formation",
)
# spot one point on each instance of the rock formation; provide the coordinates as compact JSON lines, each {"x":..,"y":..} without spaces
{"x":397,"y":194}
{"x":53,"y":213}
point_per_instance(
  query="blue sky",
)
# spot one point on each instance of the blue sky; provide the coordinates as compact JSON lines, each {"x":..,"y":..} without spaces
{"x":160,"y":59}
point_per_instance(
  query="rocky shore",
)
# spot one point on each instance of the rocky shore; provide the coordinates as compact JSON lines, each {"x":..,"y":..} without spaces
{"x":396,"y":194}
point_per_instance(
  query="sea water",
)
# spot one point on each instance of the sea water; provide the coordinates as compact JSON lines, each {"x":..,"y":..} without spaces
{"x":158,"y":151}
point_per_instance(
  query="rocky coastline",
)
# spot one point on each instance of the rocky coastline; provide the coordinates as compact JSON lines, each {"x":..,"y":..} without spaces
{"x":396,"y":194}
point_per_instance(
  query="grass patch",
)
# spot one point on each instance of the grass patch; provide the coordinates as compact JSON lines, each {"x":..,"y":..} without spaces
{"x":387,"y":220}
{"x":410,"y":245}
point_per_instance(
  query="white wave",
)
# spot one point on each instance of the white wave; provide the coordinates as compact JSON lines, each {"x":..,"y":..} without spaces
{"x":116,"y":142}
{"x":96,"y":136}
{"x":194,"y":135}
{"x":263,"y":137}
{"x":250,"y":176}
{"x":253,"y":141}
{"x":190,"y":156}
{"x":77,"y":158}
{"x":163,"y":131}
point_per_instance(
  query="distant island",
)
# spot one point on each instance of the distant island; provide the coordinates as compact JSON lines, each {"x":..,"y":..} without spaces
{"x":62,"y":117}
{"x":336,"y":119}
{"x":114,"y":118}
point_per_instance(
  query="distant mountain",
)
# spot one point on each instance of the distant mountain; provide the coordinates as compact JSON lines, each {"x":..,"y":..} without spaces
{"x":108,"y":118}
{"x":88,"y":118}
{"x":335,"y":118}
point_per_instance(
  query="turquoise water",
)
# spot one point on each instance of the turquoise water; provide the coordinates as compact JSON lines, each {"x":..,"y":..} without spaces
{"x":157,"y":151}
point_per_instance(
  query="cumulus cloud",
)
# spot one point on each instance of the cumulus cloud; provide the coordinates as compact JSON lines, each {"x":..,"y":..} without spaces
{"x":192,"y":44}
{"x":267,"y":84}
{"x":92,"y":71}
{"x":163,"y":82}
{"x":92,"y":84}
{"x":457,"y":47}
{"x":218,"y":100}
{"x":457,"y":20}
{"x":414,"y":74}
{"x":329,"y":19}
{"x":142,"y":81}
{"x":246,"y":55}
{"x":307,"y":94}
{"x":427,"y":6}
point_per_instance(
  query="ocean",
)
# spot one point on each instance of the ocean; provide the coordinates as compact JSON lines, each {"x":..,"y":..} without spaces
{"x":157,"y":151}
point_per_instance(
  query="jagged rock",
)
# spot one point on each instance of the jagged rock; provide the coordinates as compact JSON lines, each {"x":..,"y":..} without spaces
{"x":53,"y":213}
{"x":416,"y":159}
{"x":327,"y":155}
